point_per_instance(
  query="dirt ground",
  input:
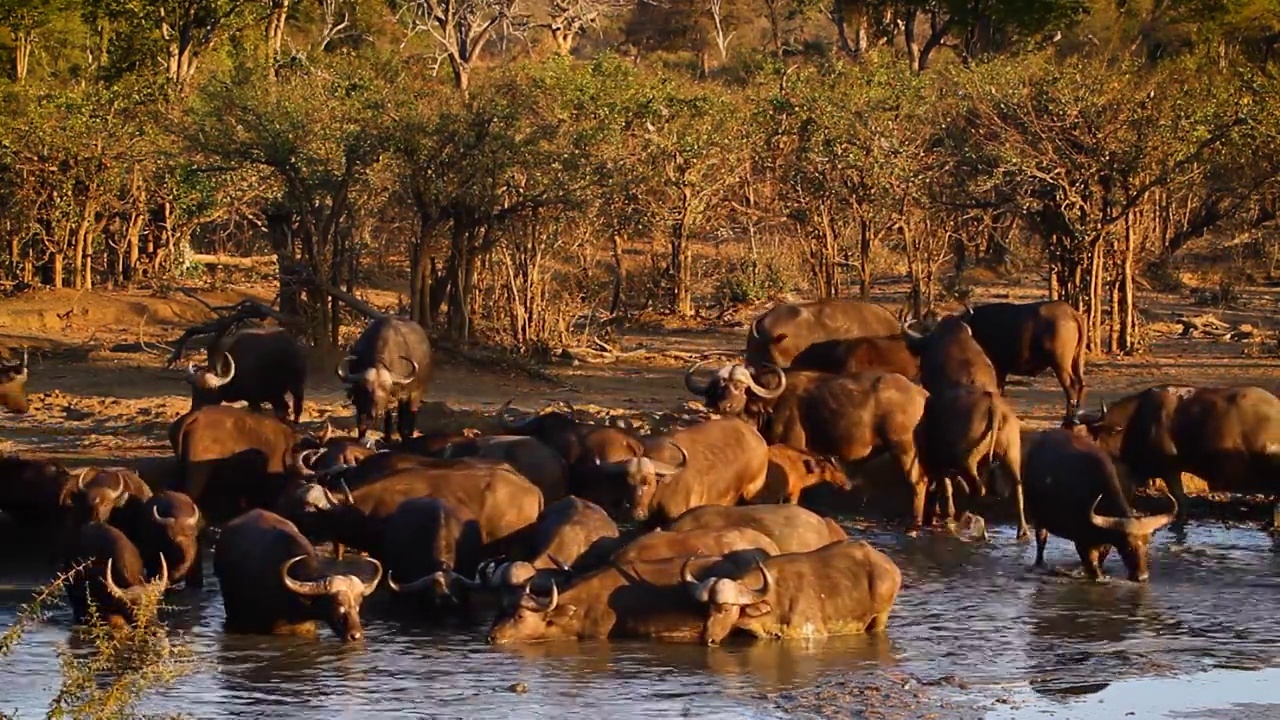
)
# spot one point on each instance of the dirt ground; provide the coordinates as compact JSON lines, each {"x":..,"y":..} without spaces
{"x":100,"y":393}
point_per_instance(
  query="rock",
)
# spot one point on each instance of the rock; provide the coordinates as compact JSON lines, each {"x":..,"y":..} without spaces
{"x":519,"y":688}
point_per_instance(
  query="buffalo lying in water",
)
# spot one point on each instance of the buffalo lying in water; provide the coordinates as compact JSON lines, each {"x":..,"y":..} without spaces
{"x":433,"y":545}
{"x":792,"y":528}
{"x":114,"y":580}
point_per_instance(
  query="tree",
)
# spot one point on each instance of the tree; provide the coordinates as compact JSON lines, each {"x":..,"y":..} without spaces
{"x":24,"y":18}
{"x":460,"y":28}
{"x":185,"y":29}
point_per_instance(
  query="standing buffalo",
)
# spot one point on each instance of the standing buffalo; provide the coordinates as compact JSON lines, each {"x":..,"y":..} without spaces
{"x":258,"y":365}
{"x":851,"y":418}
{"x":434,"y":546}
{"x":1073,"y":491}
{"x":1229,"y":436}
{"x":1026,"y":339}
{"x":389,"y":363}
{"x":792,"y":528}
{"x":848,"y":356}
{"x":13,"y":385}
{"x":717,"y":462}
{"x":843,"y":588}
{"x":231,"y":459}
{"x":782,"y":332}
{"x":112,"y":579}
{"x":273,"y":581}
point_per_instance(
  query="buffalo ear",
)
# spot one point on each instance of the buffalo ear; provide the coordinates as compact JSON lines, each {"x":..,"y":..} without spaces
{"x":563,"y":613}
{"x":779,"y":338}
{"x":757,"y":609}
{"x":811,"y":466}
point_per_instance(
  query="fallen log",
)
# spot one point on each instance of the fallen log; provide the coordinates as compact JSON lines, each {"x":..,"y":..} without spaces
{"x":232,"y":261}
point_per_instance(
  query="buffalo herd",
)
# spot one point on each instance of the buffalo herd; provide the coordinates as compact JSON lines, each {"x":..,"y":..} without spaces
{"x":560,"y":528}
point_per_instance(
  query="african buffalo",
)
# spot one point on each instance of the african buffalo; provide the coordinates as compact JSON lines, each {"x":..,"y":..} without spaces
{"x":717,"y":462}
{"x":661,"y":544}
{"x":170,"y":529}
{"x":792,"y":470}
{"x":103,"y":494}
{"x":621,"y":600}
{"x":231,"y":459}
{"x":389,"y":363}
{"x":535,"y":460}
{"x":550,"y":548}
{"x":782,"y":332}
{"x":434,"y":443}
{"x":842,"y":588}
{"x":434,"y":547}
{"x":273,"y":581}
{"x":1028,"y":338}
{"x":113,"y":579}
{"x":1229,"y":436}
{"x":1073,"y":491}
{"x":950,"y":356}
{"x":792,"y":528}
{"x":853,"y":418}
{"x":848,"y":356}
{"x":257,"y":365}
{"x":13,"y":385}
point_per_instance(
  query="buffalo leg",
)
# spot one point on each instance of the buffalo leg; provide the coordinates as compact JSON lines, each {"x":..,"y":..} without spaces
{"x":386,"y":426}
{"x":297,"y":394}
{"x":280,"y":407}
{"x":195,"y":575}
{"x":1042,"y":539}
{"x":408,"y":417}
{"x":910,"y":464}
{"x":1068,"y":389}
{"x":879,"y":622}
{"x":1173,"y":481}
{"x":1092,"y":559}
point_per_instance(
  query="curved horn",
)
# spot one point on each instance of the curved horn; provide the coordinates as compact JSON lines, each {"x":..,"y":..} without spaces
{"x":701,"y":591}
{"x":167,"y":522}
{"x":80,"y":479}
{"x":328,"y":496}
{"x":343,"y":371}
{"x":347,"y":492}
{"x":760,"y":390}
{"x":306,"y":459}
{"x":1151,"y":523}
{"x":661,"y":468}
{"x":369,"y":587}
{"x":692,"y":383}
{"x":310,"y":589}
{"x":403,"y":379}
{"x":1103,"y":410}
{"x":110,"y":583}
{"x":506,"y":411}
{"x":191,"y":373}
{"x":119,"y":489}
{"x":555,"y":597}
{"x":744,"y":595}
{"x":163,"y":582}
{"x":24,"y":362}
{"x":195,"y":519}
{"x":558,"y":563}
{"x":910,"y":334}
{"x":417,"y":585}
{"x":220,"y":380}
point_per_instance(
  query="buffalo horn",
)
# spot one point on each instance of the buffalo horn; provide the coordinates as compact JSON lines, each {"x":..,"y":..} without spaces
{"x":760,"y":390}
{"x":555,"y":597}
{"x":701,"y":591}
{"x":342,"y":369}
{"x":558,"y":562}
{"x":1132,"y":525}
{"x":910,"y":334}
{"x":347,"y":492}
{"x":310,"y":588}
{"x":747,"y":596}
{"x":220,"y":380}
{"x":403,"y":379}
{"x":191,"y":373}
{"x":696,"y":386}
{"x":306,"y":459}
{"x":155,"y":513}
{"x":420,"y":584}
{"x":505,"y":412}
{"x":369,"y":587}
{"x":80,"y":479}
{"x":661,"y":468}
{"x":120,"y":487}
{"x":195,"y":519}
{"x":134,"y":595}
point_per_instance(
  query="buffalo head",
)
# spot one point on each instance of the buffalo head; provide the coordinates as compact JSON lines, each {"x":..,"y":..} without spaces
{"x":337,"y":597}
{"x":97,"y":493}
{"x":727,"y":600}
{"x":1133,"y":535}
{"x":442,"y":587}
{"x":729,"y":390}
{"x":372,"y":390}
{"x":206,"y":381}
{"x":13,"y":386}
{"x":136,"y":597}
{"x":178,"y":520}
{"x":826,"y":469}
{"x":533,"y":618}
{"x":642,"y":476}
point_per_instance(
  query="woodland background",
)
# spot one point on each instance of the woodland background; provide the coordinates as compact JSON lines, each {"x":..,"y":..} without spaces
{"x":523,"y":171}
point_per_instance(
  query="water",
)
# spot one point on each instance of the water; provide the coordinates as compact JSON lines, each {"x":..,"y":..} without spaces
{"x":976,"y":633}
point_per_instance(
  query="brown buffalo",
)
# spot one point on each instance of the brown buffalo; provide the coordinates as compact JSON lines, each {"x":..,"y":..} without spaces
{"x":950,"y":356}
{"x":112,"y":580}
{"x":843,"y":588}
{"x":717,"y":462}
{"x":535,"y":460}
{"x":257,"y":365}
{"x":231,"y":459}
{"x":389,"y":363}
{"x":434,"y":547}
{"x":1028,"y":338}
{"x":1229,"y":436}
{"x":273,"y":581}
{"x":170,"y":528}
{"x":792,"y":528}
{"x":434,"y":443}
{"x":661,"y":544}
{"x":848,"y":356}
{"x":792,"y":470}
{"x":852,"y":418}
{"x":782,"y":332}
{"x":13,"y":385}
{"x":102,"y":494}
{"x":551,"y":548}
{"x":1073,"y":491}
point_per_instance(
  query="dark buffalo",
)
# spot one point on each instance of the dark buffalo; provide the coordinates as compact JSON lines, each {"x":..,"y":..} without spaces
{"x":965,"y":430}
{"x":792,"y":470}
{"x":231,"y":459}
{"x":109,"y":494}
{"x":1229,"y":436}
{"x":35,"y":492}
{"x":257,"y":365}
{"x":389,"y":363}
{"x":620,"y":600}
{"x":13,"y":385}
{"x":368,"y":470}
{"x":792,"y":528}
{"x":783,"y":331}
{"x":845,"y":357}
{"x":551,"y":547}
{"x":717,"y":462}
{"x":171,"y":529}
{"x":434,"y":443}
{"x":112,"y":579}
{"x":950,"y":356}
{"x":1028,"y":338}
{"x":853,"y":418}
{"x":500,"y":499}
{"x":1073,"y":491}
{"x":433,"y":546}
{"x":534,"y":459}
{"x":273,"y":581}
{"x":843,"y":588}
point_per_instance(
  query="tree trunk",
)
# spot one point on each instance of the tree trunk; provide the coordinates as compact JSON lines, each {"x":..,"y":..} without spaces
{"x":681,"y":259}
{"x":615,"y":303}
{"x":1128,"y":324}
{"x":864,"y":258}
{"x":563,"y":39}
{"x":23,"y":41}
{"x":909,"y":38}
{"x":275,"y":34}
{"x":1095,"y":296}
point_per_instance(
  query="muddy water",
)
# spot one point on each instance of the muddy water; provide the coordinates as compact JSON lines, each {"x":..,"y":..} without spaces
{"x":976,"y":633}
